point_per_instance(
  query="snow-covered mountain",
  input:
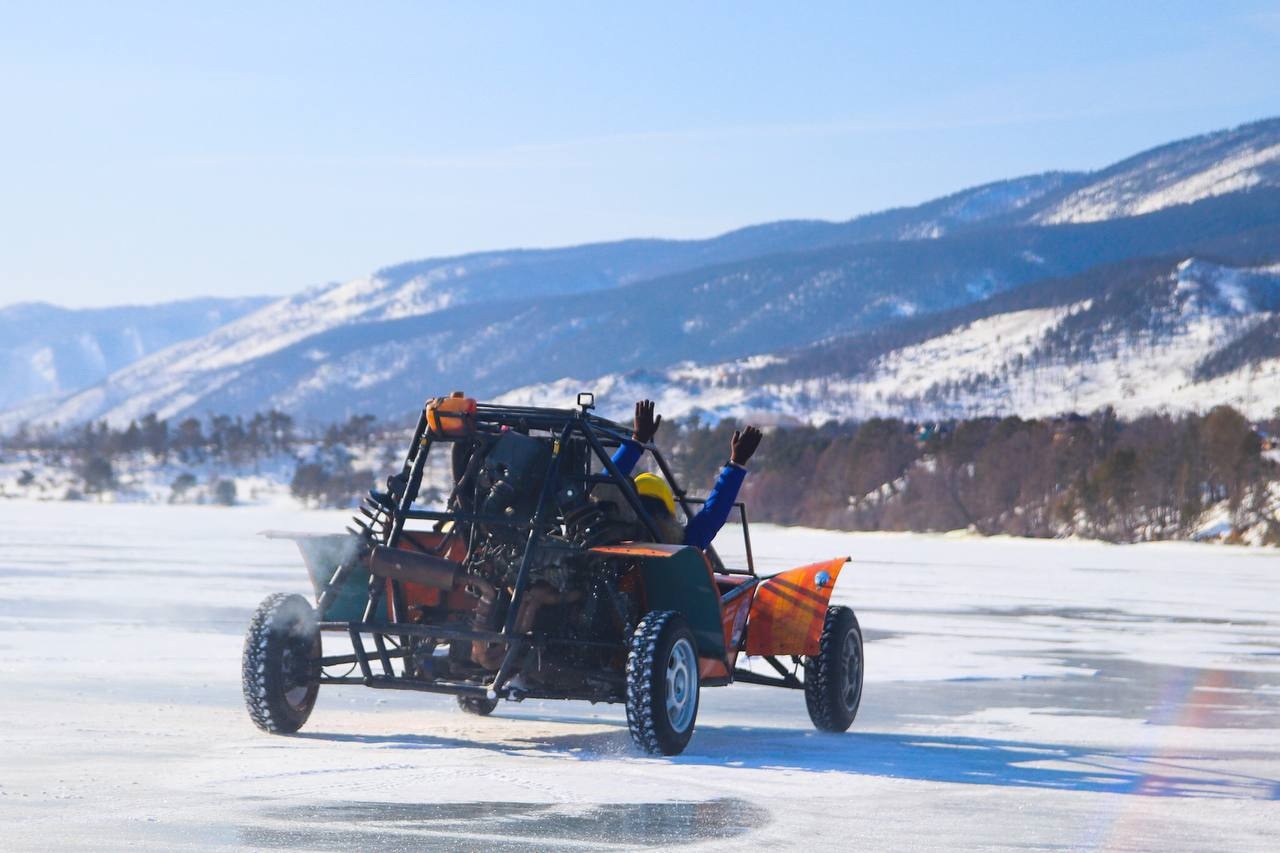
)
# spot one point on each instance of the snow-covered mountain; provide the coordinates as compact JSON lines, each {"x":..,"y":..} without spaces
{"x":186,"y":376}
{"x":1186,"y":337}
{"x":46,"y":350}
{"x":1180,"y":173}
{"x":356,"y":348}
{"x":818,"y":301}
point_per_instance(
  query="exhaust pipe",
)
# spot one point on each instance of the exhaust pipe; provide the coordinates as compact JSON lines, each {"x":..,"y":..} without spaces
{"x":424,"y":569}
{"x":439,"y":573}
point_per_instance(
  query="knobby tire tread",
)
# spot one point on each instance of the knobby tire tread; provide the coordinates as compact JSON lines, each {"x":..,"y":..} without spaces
{"x":642,"y":659}
{"x":265,"y":708}
{"x":820,"y":671}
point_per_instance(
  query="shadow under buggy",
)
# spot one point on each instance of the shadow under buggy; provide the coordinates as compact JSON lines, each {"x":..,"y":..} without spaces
{"x":543,"y":576}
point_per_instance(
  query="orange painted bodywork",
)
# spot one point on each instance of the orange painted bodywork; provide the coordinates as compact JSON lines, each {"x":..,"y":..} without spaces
{"x":713,"y":669}
{"x":638,"y":549}
{"x":734,"y":613}
{"x":788,"y":610}
{"x":782,"y":615}
{"x":442,"y":545}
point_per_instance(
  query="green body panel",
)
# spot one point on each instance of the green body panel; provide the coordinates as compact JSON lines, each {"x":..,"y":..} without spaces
{"x":352,"y":598}
{"x":682,"y":582}
{"x":323,"y":553}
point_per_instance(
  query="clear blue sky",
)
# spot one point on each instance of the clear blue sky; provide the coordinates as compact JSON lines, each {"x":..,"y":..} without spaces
{"x":155,"y":151}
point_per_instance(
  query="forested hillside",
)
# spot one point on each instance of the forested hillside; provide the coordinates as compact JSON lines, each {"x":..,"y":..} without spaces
{"x":1155,"y":477}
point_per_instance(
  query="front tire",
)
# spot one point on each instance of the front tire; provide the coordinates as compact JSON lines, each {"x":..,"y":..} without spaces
{"x":662,"y":683}
{"x":833,"y":678}
{"x":280,"y":669}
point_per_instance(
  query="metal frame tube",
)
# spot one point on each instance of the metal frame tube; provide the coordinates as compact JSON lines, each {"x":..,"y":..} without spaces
{"x":716,"y":563}
{"x":748,"y":677}
{"x":628,"y":490}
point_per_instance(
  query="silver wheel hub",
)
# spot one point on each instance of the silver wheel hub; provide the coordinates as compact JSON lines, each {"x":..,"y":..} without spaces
{"x":682,"y":685}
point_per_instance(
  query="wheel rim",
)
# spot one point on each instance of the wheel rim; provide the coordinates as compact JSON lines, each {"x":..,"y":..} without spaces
{"x":851,"y":656}
{"x":682,"y":685}
{"x":294,"y":669}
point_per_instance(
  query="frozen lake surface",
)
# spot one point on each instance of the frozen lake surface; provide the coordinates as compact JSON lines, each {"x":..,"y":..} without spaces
{"x":1042,"y":695}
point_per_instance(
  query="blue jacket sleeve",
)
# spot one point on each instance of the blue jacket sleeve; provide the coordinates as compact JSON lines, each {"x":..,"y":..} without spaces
{"x":627,"y":455}
{"x":704,"y":526}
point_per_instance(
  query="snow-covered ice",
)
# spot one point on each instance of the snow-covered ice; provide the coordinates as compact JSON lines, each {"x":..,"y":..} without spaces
{"x":1020,"y":694}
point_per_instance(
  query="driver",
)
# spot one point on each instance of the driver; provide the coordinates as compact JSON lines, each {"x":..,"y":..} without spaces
{"x":659,"y":500}
{"x":656,"y":494}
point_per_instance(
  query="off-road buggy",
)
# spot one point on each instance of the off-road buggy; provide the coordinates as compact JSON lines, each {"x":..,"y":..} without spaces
{"x":543,"y":576}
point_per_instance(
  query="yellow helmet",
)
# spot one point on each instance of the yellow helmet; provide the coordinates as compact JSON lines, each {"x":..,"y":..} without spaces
{"x":650,"y":486}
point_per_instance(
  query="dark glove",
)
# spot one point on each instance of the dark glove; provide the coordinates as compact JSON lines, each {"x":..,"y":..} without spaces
{"x":646,"y":424}
{"x":744,"y":444}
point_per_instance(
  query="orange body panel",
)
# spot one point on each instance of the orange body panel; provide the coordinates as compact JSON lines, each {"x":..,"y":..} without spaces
{"x":429,"y":542}
{"x":734,"y":614}
{"x":710,"y":668}
{"x":788,"y":610}
{"x":638,"y":549}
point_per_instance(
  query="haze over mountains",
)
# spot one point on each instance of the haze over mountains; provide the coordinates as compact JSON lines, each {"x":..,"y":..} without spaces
{"x":1152,"y":283}
{"x":46,"y":350}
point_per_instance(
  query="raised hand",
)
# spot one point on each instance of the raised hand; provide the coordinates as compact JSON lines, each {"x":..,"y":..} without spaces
{"x":646,"y":424}
{"x":744,"y":443}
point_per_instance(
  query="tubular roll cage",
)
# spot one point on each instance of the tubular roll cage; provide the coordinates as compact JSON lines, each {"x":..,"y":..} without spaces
{"x":382,"y":520}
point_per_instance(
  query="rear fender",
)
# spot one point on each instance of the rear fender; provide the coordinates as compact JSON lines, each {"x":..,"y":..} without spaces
{"x":678,"y":577}
{"x":789,"y":609}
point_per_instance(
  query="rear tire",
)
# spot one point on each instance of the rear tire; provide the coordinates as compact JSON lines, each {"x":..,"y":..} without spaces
{"x":833,"y":678}
{"x":280,"y":672}
{"x":662,"y":683}
{"x":478,"y":705}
